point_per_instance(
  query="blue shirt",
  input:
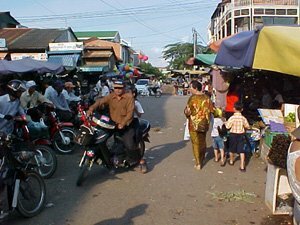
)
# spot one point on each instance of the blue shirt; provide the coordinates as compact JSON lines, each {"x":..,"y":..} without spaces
{"x":9,"y":107}
{"x":58,"y":100}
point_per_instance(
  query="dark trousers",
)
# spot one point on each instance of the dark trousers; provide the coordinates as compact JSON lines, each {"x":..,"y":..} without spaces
{"x":64,"y":115}
{"x":128,"y":135}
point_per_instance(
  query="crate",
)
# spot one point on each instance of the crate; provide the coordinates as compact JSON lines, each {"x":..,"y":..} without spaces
{"x":277,"y":184}
{"x":269,"y":136}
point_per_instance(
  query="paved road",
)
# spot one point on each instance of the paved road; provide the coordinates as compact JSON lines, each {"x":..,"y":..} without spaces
{"x":172,"y":193}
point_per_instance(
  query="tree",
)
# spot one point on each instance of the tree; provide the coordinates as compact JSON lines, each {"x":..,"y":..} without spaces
{"x":178,"y":53}
{"x":147,"y":68}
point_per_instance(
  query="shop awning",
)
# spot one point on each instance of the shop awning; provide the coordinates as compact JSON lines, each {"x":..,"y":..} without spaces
{"x":68,"y":59}
{"x":208,"y":59}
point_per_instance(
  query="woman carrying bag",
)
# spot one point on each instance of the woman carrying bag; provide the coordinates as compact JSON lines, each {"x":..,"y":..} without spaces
{"x":198,"y":111}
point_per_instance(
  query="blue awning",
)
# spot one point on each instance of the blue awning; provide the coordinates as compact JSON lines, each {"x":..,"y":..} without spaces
{"x":67,"y":60}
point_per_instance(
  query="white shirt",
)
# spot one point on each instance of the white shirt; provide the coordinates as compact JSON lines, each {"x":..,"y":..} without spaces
{"x":279,"y":98}
{"x":138,"y":108}
{"x":216,"y":122}
{"x":104,"y":91}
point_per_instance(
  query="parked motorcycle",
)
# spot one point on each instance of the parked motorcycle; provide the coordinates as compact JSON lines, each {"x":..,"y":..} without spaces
{"x":151,"y":91}
{"x":44,"y":156}
{"x":26,"y":190}
{"x":93,"y":135}
{"x":62,"y":134}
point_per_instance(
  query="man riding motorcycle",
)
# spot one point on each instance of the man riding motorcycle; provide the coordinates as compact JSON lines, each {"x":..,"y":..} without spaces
{"x":10,"y":106}
{"x":121,"y":109}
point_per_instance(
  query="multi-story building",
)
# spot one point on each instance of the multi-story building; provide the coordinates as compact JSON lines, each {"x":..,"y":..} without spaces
{"x":233,"y":16}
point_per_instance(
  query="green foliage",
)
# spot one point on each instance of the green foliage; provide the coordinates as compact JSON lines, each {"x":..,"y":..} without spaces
{"x":178,"y":53}
{"x":147,"y":68}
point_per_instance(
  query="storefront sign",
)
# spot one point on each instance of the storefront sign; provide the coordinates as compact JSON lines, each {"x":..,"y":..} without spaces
{"x":66,"y":46}
{"x":36,"y":56}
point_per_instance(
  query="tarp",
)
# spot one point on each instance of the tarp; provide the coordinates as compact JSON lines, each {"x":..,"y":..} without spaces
{"x":238,"y":50}
{"x":208,"y":59}
{"x":273,"y":48}
{"x":29,"y":65}
{"x":278,"y":49}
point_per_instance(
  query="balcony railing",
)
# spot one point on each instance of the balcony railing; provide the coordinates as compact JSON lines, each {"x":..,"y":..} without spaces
{"x":265,"y":2}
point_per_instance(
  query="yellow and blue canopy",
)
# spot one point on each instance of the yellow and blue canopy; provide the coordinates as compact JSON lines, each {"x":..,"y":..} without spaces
{"x":274,"y":48}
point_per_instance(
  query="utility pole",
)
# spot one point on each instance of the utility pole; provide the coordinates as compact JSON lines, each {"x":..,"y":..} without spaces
{"x":195,"y":41}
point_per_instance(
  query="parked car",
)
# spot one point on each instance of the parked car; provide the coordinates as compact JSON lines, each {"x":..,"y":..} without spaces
{"x":142,"y":85}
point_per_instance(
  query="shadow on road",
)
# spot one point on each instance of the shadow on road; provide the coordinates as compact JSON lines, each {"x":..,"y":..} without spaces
{"x":126,"y":219}
{"x":158,"y":153}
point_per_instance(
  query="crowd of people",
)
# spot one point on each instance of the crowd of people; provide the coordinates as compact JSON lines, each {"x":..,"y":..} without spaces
{"x":124,"y":110}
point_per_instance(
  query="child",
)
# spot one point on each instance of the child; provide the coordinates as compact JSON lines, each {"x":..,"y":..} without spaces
{"x":218,"y":143}
{"x":237,"y":125}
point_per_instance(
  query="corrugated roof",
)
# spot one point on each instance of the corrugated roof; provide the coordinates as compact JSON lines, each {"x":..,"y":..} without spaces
{"x":11,"y":34}
{"x":99,"y":34}
{"x":36,"y":39}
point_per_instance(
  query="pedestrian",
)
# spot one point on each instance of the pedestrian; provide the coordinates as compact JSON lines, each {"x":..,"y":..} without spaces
{"x":231,"y":98}
{"x":237,"y":125}
{"x":198,"y":112}
{"x":218,"y":142}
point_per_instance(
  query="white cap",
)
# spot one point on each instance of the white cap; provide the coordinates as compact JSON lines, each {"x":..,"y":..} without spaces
{"x":30,"y":84}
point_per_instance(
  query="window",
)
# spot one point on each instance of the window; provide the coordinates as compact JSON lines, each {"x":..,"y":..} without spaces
{"x":237,"y":12}
{"x":270,"y":11}
{"x":280,"y":11}
{"x":292,"y":11}
{"x":258,"y":11}
{"x":245,"y":11}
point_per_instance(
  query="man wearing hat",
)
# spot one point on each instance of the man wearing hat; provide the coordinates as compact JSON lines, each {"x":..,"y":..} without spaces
{"x":121,"y":109}
{"x":31,"y":98}
{"x":69,"y":94}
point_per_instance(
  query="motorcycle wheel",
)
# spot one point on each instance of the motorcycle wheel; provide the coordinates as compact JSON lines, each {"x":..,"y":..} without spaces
{"x":58,"y":142}
{"x":158,"y":94}
{"x":32,"y":195}
{"x":83,"y":172}
{"x":47,"y":160}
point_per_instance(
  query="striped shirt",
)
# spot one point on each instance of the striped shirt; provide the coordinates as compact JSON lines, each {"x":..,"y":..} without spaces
{"x":237,"y":123}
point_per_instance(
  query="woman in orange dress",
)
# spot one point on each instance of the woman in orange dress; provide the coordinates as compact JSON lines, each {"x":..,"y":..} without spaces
{"x":198,"y":111}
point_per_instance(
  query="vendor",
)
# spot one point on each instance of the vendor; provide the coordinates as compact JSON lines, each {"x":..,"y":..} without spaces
{"x":266,"y":100}
{"x":277,"y":100}
{"x":293,"y":169}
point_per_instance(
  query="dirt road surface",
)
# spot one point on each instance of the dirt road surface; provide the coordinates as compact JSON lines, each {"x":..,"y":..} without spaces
{"x":171,"y":193}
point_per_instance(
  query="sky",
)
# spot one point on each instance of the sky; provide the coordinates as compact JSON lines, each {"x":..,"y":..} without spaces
{"x":148,"y":25}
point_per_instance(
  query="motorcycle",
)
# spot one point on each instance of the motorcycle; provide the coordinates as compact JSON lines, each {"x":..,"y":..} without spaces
{"x":151,"y":91}
{"x":93,"y":135}
{"x":44,"y":156}
{"x":26,"y":189}
{"x":62,"y":134}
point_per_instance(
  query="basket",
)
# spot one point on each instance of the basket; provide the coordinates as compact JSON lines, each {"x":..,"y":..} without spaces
{"x":84,"y":136}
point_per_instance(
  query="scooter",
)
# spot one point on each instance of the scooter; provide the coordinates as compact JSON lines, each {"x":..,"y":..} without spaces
{"x":44,"y":156}
{"x":151,"y":91}
{"x":24,"y":188}
{"x":62,"y":134}
{"x":93,"y":136}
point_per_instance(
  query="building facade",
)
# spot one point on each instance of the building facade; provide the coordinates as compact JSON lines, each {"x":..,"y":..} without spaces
{"x":233,"y":16}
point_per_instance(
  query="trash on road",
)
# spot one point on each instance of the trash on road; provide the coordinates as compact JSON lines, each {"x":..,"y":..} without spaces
{"x":240,"y":195}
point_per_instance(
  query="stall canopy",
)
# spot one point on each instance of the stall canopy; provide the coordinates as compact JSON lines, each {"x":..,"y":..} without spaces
{"x":273,"y":48}
{"x":68,"y":59}
{"x":202,"y":59}
{"x":29,"y":65}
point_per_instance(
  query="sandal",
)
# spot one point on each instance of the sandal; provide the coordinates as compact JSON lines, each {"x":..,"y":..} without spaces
{"x":223,"y":162}
{"x":231,"y":163}
{"x":243,"y":170}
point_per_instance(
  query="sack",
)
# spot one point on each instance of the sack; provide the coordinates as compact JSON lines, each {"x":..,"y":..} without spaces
{"x":186,"y":135}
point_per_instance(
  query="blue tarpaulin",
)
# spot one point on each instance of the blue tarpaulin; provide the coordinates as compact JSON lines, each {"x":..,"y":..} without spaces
{"x":29,"y":65}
